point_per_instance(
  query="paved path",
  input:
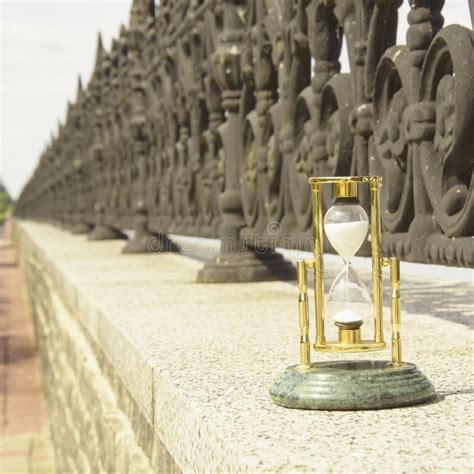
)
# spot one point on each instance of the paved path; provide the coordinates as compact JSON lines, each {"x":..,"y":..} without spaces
{"x":25,"y":446}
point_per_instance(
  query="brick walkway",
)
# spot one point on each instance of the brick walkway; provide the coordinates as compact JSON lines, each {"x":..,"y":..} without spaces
{"x":25,"y":446}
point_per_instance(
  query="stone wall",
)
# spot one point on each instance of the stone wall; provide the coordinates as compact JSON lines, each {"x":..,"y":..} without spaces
{"x":95,"y":423}
{"x":147,"y":371}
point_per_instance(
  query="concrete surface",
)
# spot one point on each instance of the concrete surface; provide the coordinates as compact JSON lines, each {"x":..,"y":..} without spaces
{"x":199,"y":359}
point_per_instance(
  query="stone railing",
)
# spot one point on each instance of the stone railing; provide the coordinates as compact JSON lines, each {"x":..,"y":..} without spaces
{"x":206,"y":118}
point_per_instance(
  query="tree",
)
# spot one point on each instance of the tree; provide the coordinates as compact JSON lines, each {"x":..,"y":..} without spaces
{"x":6,"y":202}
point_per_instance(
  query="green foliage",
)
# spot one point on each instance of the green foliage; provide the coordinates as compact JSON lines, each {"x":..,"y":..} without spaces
{"x":6,"y":204}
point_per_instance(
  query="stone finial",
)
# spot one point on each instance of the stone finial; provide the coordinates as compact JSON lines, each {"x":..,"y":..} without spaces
{"x":79,"y":90}
{"x":100,"y":52}
{"x":122,"y":31}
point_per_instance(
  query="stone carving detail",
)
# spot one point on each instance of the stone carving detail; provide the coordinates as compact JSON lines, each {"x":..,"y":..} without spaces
{"x":206,"y":118}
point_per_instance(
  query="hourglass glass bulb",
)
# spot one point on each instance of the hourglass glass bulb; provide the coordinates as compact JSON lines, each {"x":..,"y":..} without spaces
{"x":348,"y":299}
{"x":346,"y":225}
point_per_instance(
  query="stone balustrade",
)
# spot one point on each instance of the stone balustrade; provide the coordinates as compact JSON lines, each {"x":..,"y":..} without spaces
{"x":206,"y":118}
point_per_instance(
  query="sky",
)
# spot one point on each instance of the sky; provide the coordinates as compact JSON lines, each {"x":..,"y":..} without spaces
{"x":46,"y":45}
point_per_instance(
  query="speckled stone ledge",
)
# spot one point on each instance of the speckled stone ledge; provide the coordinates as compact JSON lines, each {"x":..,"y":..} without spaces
{"x":199,"y":359}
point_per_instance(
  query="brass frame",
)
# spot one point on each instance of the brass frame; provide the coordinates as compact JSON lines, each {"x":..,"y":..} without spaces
{"x":348,"y":187}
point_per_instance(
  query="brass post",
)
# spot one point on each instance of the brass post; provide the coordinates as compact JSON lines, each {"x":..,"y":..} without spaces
{"x":395,"y":310}
{"x":318,"y":262}
{"x":375,"y":234}
{"x":305,"y":355}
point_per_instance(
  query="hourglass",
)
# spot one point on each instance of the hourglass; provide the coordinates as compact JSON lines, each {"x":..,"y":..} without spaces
{"x":348,"y":304}
{"x":352,"y":311}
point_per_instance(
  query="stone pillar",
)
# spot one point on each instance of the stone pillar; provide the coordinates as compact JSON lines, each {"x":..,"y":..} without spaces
{"x":144,"y":240}
{"x":424,"y":20}
{"x":237,"y":260}
{"x":80,"y":225}
{"x":101,"y":230}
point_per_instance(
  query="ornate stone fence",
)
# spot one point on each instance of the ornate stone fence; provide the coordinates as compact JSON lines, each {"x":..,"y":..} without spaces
{"x":206,"y":118}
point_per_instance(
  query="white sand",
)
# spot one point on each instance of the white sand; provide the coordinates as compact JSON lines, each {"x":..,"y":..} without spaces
{"x":346,"y":238}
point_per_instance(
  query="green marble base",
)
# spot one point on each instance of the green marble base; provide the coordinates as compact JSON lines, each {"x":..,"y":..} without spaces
{"x":351,"y":385}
